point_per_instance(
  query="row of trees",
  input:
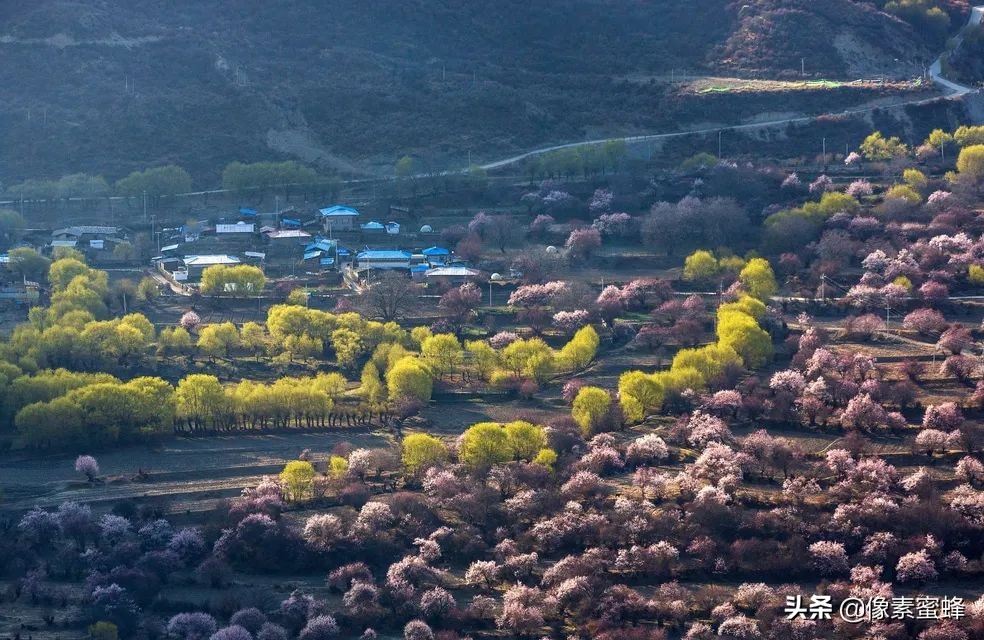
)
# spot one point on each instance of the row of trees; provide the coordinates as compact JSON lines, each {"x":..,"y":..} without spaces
{"x":170,"y":180}
{"x":741,"y":342}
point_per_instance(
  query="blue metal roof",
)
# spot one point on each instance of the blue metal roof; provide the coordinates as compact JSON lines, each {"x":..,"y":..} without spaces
{"x":290,"y":222}
{"x":342,"y":251}
{"x":247,"y":211}
{"x":321,"y":244}
{"x":376,"y":254}
{"x":308,"y":255}
{"x":419,"y":268}
{"x":327,"y":262}
{"x":436,"y":251}
{"x":338,"y":211}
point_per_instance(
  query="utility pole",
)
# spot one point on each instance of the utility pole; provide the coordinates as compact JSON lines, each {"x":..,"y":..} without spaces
{"x":823,"y":281}
{"x":145,"y":204}
{"x":824,"y":144}
{"x":720,"y":133}
{"x":490,"y":294}
{"x":803,"y":66}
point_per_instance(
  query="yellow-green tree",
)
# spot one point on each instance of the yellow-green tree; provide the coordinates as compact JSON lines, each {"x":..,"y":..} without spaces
{"x":531,"y":358}
{"x":238,"y":280}
{"x":347,"y":345}
{"x":297,"y":479}
{"x":967,"y":135}
{"x":970,"y":163}
{"x":639,"y":394}
{"x":742,"y":333}
{"x":174,"y":341}
{"x":546,"y":458}
{"x":103,"y":631}
{"x":485,"y":444}
{"x":758,"y":279}
{"x":877,"y":147}
{"x":218,"y":340}
{"x":371,"y":387}
{"x":442,"y":353}
{"x":253,"y":338}
{"x":700,"y":266}
{"x":581,"y":349}
{"x":710,"y":360}
{"x":483,"y":357}
{"x":590,"y":408}
{"x":200,"y":399}
{"x":525,"y":439}
{"x":409,"y":379}
{"x":975,"y":274}
{"x":421,"y":451}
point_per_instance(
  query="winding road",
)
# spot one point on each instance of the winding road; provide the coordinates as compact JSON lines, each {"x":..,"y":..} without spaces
{"x":952,"y":91}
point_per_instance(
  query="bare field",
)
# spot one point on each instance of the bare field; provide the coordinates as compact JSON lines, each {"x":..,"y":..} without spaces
{"x":182,"y":471}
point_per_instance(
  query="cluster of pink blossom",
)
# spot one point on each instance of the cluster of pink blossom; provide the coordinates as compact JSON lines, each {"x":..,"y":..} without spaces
{"x":532,"y":295}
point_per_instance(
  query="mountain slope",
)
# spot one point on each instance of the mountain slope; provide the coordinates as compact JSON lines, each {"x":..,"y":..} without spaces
{"x":112,"y":86}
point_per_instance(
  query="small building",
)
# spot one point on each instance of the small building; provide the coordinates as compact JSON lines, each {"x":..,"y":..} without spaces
{"x":393,"y":228}
{"x":373,"y":227}
{"x":237,"y":228}
{"x":194,"y":265}
{"x":339,"y":218}
{"x":246,"y":211}
{"x":254,"y":257}
{"x":436,"y":255}
{"x":383,"y":259}
{"x":452,"y":275}
{"x":87,"y":232}
{"x":288,"y":236}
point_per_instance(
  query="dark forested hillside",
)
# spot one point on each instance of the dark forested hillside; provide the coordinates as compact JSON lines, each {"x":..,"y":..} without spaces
{"x":111,"y":86}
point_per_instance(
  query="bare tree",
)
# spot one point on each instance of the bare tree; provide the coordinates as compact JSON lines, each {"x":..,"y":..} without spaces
{"x":388,"y":297}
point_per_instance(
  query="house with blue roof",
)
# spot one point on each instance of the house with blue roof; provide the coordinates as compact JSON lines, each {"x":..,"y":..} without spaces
{"x":436,"y":255}
{"x":383,"y":259}
{"x":339,"y":218}
{"x":324,"y":252}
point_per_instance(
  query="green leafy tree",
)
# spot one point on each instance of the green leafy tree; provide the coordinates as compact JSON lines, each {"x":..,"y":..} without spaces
{"x":297,"y":479}
{"x":639,"y":394}
{"x":525,"y":439}
{"x":421,"y":451}
{"x":218,"y":340}
{"x":590,"y":408}
{"x":442,"y":353}
{"x":484,"y":445}
{"x":200,"y":400}
{"x":409,"y":379}
{"x":238,"y":280}
{"x":27,"y":263}
{"x":970,"y":164}
{"x":700,"y":266}
{"x":758,"y":279}
{"x":877,"y":147}
{"x":581,"y":349}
